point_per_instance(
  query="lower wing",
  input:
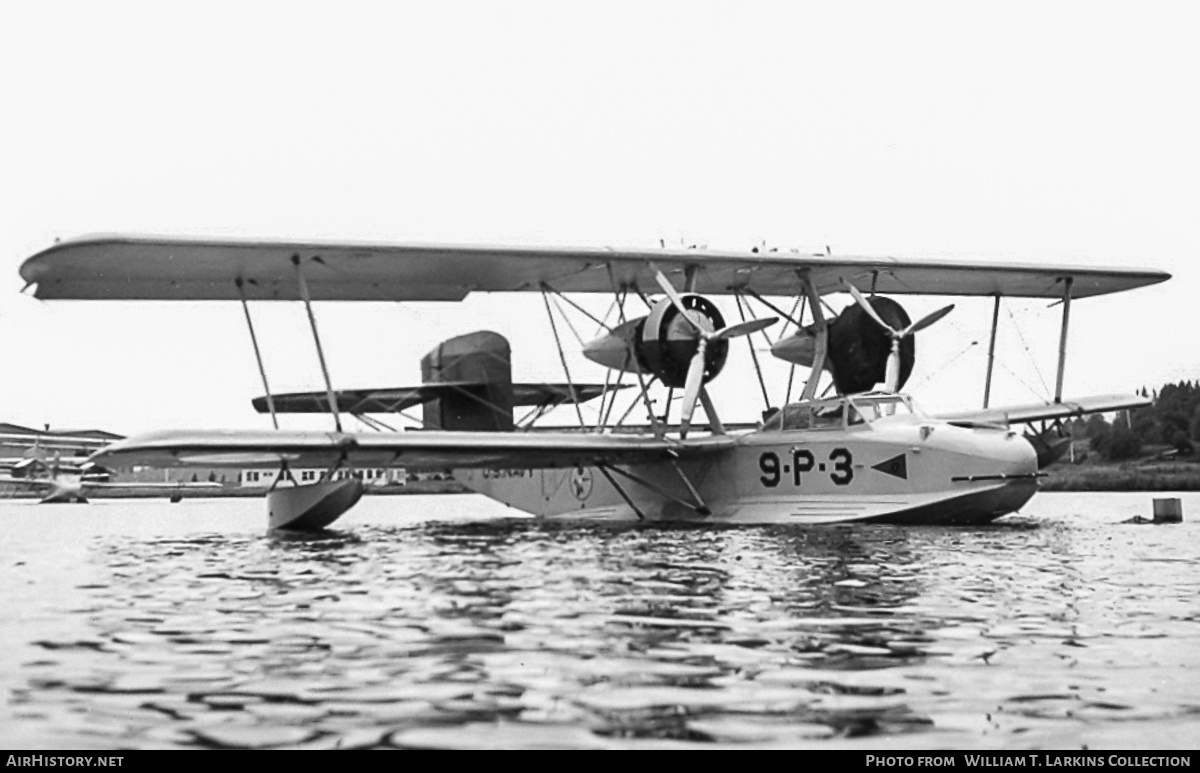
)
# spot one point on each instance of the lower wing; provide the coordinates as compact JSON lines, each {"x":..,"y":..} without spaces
{"x":413,"y":450}
{"x":1022,"y":414}
{"x":165,"y":486}
{"x":92,"y":485}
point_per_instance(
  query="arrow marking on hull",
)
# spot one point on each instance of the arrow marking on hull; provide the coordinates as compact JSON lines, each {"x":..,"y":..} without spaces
{"x":897,"y":466}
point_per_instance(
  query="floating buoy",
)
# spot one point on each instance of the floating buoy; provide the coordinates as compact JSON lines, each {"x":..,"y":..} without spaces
{"x":1168,"y":510}
{"x":1165,"y":511}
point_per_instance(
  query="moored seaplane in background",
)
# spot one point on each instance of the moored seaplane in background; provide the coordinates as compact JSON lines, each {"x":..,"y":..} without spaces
{"x":866,"y":454}
{"x":58,"y":467}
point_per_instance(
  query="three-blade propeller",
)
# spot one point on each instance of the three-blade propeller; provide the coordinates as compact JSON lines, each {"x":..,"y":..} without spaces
{"x":892,"y":381}
{"x":695,"y":374}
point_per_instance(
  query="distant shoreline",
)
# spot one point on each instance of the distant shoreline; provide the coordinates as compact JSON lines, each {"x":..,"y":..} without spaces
{"x":1123,"y":476}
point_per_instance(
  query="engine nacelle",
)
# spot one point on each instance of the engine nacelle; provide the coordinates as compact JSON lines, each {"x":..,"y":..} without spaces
{"x":858,"y":348}
{"x":663,"y":343}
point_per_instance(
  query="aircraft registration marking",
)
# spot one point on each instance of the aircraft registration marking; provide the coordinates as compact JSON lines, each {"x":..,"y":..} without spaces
{"x":803,"y":461}
{"x":489,"y":473}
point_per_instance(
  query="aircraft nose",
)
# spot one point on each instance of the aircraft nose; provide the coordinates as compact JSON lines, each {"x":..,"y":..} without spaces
{"x":1009,"y":454}
{"x":1027,"y":461}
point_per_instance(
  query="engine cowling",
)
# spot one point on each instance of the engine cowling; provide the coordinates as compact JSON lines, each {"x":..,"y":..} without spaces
{"x":858,"y":348}
{"x":663,"y":343}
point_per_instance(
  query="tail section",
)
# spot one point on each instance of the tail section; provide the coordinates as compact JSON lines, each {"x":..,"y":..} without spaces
{"x":467,"y":386}
{"x":481,"y":363}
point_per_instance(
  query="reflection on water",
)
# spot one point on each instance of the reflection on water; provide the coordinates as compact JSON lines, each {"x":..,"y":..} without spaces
{"x":1058,"y":629}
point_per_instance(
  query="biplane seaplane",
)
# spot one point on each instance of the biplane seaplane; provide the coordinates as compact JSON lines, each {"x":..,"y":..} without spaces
{"x":59,"y":469}
{"x":55,"y":466}
{"x":864,"y":454}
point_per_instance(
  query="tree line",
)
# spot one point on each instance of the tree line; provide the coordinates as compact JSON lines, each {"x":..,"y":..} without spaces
{"x":1172,"y":421}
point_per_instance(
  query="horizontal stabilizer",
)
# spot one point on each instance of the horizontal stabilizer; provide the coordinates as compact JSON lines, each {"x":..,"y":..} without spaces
{"x":1021,"y":414}
{"x":395,"y":399}
{"x":412,"y":450}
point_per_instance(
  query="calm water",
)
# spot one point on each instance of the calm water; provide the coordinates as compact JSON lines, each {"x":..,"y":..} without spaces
{"x":439,"y":622}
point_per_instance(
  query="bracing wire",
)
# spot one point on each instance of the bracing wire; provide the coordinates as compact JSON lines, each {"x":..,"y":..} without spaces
{"x":1028,"y":350}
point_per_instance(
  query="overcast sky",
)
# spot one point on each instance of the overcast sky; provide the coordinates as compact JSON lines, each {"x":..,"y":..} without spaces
{"x":1019,"y":132}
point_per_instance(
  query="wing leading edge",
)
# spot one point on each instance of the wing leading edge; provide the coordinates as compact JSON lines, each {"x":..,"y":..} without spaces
{"x":1022,"y":414}
{"x":159,"y":268}
{"x":412,"y":450}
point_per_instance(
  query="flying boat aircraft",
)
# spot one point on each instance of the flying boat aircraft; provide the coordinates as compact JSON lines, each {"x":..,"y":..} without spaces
{"x":865,"y":454}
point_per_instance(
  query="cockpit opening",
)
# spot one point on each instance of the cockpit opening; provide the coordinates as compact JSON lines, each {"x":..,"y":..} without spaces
{"x":838,"y":412}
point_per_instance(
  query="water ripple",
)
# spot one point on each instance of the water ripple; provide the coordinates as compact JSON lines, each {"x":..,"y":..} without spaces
{"x":506,"y":633}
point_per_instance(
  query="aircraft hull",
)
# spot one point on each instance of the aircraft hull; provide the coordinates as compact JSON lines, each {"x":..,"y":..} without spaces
{"x":903,"y":470}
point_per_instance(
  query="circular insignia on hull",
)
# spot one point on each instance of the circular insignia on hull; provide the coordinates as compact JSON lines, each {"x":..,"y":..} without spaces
{"x":581,"y":483}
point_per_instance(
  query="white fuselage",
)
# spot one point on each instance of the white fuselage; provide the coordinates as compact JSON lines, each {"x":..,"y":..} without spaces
{"x":903,"y":468}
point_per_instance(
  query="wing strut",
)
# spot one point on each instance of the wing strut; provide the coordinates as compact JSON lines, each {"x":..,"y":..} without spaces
{"x":562,"y":357}
{"x":547,"y":288}
{"x":629,"y":501}
{"x":710,"y":410}
{"x":762,"y":384}
{"x":376,"y":424}
{"x":262,"y":371}
{"x":312,"y":321}
{"x":698,"y":505}
{"x":987,"y":383}
{"x":788,"y":317}
{"x":658,"y":430}
{"x":606,"y":413}
{"x":822,"y":330}
{"x":1062,"y":339}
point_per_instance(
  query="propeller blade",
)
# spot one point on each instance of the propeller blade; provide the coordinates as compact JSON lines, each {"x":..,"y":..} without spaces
{"x":691,"y":388}
{"x":892,"y":378}
{"x":676,"y":301}
{"x":867,"y":307}
{"x":744,"y":328}
{"x":926,"y":321}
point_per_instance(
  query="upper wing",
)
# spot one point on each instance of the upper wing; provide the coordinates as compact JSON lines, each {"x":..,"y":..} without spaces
{"x":54,"y":442}
{"x":394,"y":399}
{"x":156,"y":268}
{"x":414,"y":450}
{"x":1020,"y":414}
